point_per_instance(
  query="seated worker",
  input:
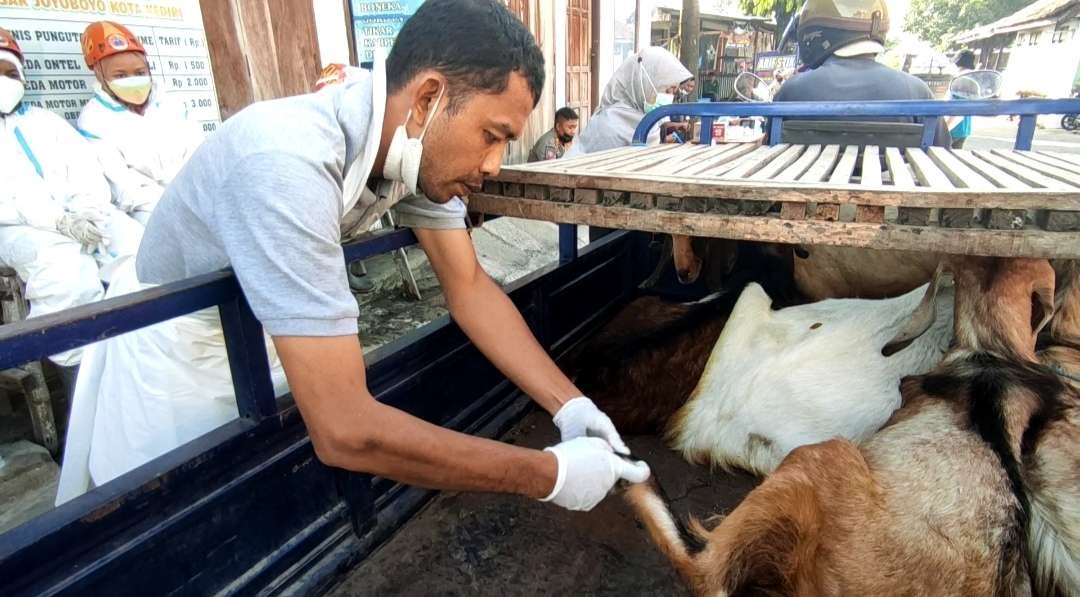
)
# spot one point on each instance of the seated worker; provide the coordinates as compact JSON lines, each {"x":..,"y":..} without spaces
{"x":644,"y":81}
{"x":839,"y":41}
{"x":268,"y":201}
{"x":57,"y":226}
{"x":554,"y":143}
{"x":142,"y":137}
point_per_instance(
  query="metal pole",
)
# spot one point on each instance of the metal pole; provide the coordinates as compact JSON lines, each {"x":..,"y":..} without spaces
{"x":567,"y":243}
{"x":1025,"y":133}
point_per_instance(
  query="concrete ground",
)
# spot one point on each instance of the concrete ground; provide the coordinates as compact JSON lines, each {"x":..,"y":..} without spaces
{"x":1000,"y":133}
{"x":507,"y":248}
{"x":476,"y":544}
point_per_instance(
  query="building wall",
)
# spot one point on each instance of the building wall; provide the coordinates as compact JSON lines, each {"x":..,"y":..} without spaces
{"x":1043,"y":62}
{"x":543,"y":117}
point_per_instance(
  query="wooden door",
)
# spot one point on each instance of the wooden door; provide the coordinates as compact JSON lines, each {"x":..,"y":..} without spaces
{"x":578,"y":62}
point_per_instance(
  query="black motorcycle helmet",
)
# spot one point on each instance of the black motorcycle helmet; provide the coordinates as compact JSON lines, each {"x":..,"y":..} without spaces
{"x":825,"y":26}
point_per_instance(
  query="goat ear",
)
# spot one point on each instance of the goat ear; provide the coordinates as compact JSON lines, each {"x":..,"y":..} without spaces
{"x":921,"y":319}
{"x":1045,"y":297}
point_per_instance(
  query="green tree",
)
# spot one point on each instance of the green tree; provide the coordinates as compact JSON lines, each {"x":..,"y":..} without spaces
{"x":781,"y":9}
{"x":937,"y":21}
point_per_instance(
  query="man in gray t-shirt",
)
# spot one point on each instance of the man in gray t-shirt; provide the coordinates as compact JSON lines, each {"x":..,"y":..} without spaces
{"x":268,"y":194}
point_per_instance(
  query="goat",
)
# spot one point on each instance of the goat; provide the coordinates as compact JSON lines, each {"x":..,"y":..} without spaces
{"x":949,"y":498}
{"x":777,"y":380}
{"x":823,"y":272}
{"x":1054,"y":536}
{"x":643,"y":364}
{"x":641,"y":367}
{"x":820,"y":272}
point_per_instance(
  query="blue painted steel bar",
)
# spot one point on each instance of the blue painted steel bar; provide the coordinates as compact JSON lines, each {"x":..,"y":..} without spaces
{"x":378,"y":243}
{"x":705,"y":135}
{"x":248,"y":361}
{"x":776,"y":127}
{"x":37,"y":338}
{"x":1025,"y":133}
{"x":914,"y":109}
{"x":567,"y":243}
{"x":929,"y":131}
{"x":40,"y":337}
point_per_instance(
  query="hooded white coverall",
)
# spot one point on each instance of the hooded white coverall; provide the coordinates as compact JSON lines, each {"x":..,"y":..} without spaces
{"x":622,"y":106}
{"x":50,"y":170}
{"x":140,"y":153}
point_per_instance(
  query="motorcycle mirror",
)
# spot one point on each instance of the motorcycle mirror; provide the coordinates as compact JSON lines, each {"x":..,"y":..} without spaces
{"x":752,"y":88}
{"x":979,"y":84}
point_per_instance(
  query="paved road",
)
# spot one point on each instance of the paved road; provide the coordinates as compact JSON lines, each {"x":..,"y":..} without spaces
{"x":1000,"y":133}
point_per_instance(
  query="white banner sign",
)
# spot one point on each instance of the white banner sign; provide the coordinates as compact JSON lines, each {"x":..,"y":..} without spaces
{"x":48,"y":31}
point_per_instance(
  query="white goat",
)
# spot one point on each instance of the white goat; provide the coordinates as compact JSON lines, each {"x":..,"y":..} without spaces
{"x":777,"y":380}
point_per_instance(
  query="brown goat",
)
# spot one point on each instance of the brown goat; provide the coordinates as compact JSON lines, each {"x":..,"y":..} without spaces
{"x":643,"y":365}
{"x":820,"y":272}
{"x":968,"y":490}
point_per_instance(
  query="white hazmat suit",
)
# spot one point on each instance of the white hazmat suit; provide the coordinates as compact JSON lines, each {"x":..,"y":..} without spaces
{"x":623,"y":104}
{"x":140,"y":153}
{"x":52,"y":185}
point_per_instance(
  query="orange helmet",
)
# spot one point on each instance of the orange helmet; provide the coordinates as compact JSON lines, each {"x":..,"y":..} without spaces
{"x":105,"y":38}
{"x":7,"y":42}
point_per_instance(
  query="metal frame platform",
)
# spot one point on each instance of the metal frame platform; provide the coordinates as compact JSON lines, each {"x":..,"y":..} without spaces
{"x":998,"y":203}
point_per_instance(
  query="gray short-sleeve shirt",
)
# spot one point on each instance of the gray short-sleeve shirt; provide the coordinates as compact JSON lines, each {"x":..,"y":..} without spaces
{"x":264,"y":196}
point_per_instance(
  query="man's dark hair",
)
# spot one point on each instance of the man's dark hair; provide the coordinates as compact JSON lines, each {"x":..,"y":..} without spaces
{"x":475,"y":44}
{"x":966,"y":59}
{"x":565,"y":113}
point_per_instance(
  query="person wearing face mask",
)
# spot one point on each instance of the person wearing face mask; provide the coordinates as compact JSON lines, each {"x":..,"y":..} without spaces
{"x":643,"y":82}
{"x":57,"y":227}
{"x":270,"y":201}
{"x":142,"y":137}
{"x":554,"y":143}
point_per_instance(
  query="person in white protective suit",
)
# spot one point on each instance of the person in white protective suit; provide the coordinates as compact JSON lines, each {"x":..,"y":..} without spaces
{"x":58,"y":229}
{"x":644,"y":81}
{"x":267,"y":195}
{"x":142,"y":136}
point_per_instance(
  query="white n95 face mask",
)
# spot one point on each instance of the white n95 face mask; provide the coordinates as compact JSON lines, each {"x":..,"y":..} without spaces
{"x":403,"y":158}
{"x":11,"y":93}
{"x":133,"y":90}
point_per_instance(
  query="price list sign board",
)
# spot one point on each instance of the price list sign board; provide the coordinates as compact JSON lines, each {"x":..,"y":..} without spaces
{"x":48,"y":31}
{"x":376,"y":24}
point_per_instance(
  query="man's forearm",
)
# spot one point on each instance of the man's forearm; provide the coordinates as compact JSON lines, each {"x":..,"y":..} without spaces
{"x":394,"y":444}
{"x":350,"y":429}
{"x":496,"y":327}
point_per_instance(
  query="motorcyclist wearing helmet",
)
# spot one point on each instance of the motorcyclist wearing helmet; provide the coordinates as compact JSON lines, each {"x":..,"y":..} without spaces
{"x":839,"y":41}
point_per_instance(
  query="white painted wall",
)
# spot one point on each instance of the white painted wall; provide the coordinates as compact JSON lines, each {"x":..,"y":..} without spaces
{"x":605,"y":66}
{"x":560,"y":52}
{"x":1046,"y":67}
{"x":332,"y":29}
{"x":644,"y":25}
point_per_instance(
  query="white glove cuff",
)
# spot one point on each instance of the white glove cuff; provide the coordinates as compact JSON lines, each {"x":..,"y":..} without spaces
{"x":568,"y":406}
{"x":560,"y":476}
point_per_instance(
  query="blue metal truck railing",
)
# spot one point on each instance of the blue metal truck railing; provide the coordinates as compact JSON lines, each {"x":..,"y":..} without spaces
{"x":928,"y":111}
{"x":247,"y":508}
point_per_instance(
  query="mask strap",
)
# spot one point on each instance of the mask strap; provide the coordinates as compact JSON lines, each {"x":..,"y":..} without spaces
{"x":651,"y":84}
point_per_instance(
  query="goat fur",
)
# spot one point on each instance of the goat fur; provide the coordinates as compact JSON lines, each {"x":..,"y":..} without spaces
{"x":777,"y":380}
{"x":967,"y":490}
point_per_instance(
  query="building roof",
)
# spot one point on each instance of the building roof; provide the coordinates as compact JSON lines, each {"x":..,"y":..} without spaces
{"x":1037,"y":14}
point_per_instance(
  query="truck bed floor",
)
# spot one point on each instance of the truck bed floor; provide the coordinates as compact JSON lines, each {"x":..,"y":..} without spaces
{"x":473,"y":544}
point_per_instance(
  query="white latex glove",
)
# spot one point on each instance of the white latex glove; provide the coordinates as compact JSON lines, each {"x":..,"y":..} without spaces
{"x":588,"y":470}
{"x":81,"y":229}
{"x":581,"y":418}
